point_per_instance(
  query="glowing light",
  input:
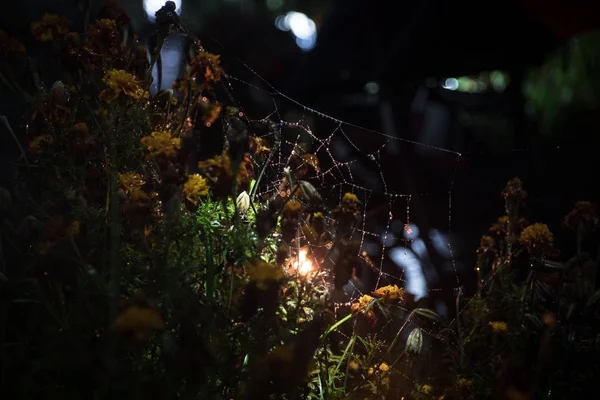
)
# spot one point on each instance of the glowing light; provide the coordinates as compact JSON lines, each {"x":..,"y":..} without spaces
{"x":415,"y":280}
{"x":451,"y":84}
{"x":372,"y":88}
{"x":152,"y":6}
{"x":274,"y":4}
{"x":302,"y":27}
{"x":302,"y":263}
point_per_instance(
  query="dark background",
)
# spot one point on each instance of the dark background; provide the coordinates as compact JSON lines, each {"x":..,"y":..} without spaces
{"x":407,"y":48}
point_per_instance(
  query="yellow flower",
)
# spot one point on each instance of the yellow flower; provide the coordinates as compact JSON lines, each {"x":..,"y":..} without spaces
{"x":353,"y":366}
{"x":137,"y":194}
{"x":390,"y":294}
{"x":131,"y":180}
{"x":72,"y":229}
{"x":138,"y":320}
{"x":425,"y":389}
{"x":361,"y":306}
{"x":381,"y":372}
{"x":464,"y":383}
{"x":291,"y":209}
{"x":350,"y":198}
{"x":120,"y":81}
{"x":499,"y":327}
{"x":161,"y":143}
{"x":212,"y":113}
{"x":208,"y":65}
{"x":50,"y":27}
{"x":262,"y":273}
{"x":195,"y":188}
{"x":9,"y":45}
{"x":537,"y":238}
{"x":38,"y":142}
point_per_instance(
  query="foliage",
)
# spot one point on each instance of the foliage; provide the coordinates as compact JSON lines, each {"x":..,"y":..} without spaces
{"x":566,"y":83}
{"x":133,"y":267}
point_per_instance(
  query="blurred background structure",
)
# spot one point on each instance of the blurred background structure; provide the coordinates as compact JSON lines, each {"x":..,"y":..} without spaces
{"x":511,"y":86}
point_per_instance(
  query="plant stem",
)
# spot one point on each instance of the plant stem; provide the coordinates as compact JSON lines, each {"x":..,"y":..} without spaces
{"x":459,"y":330}
{"x":262,"y":171}
{"x":114,"y":229}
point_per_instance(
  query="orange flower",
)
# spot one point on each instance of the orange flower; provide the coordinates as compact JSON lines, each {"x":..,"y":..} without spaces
{"x":390,"y":294}
{"x":207,"y":65}
{"x":361,"y":307}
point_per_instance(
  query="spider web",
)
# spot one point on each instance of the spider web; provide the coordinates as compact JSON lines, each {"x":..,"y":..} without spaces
{"x":396,"y":246}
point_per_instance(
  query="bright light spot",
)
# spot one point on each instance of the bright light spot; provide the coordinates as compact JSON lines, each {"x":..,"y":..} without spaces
{"x":281,"y":24}
{"x":411,"y":231}
{"x":415,"y":280}
{"x":152,"y":6}
{"x":451,"y":84}
{"x":302,"y":263}
{"x":274,"y":4}
{"x":499,"y":80}
{"x":440,"y":243}
{"x":372,"y":87}
{"x":303,"y":28}
{"x":171,"y":63}
{"x":307,"y":44}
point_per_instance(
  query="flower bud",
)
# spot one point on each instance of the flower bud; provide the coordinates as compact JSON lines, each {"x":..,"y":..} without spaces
{"x":243,"y":203}
{"x":414,"y":343}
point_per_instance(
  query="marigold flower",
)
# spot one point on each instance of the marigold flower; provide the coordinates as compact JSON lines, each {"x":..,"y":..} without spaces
{"x":212,"y":114}
{"x":194,"y":188}
{"x":390,"y":294}
{"x":138,"y":320}
{"x":464,"y":383}
{"x":258,"y":146}
{"x":220,"y":174}
{"x":9,"y":45}
{"x":50,"y":27}
{"x":362,"y":305}
{"x":514,"y":191}
{"x":130,"y":181}
{"x":37,"y":143}
{"x":537,"y":238}
{"x":262,"y":273}
{"x":350,"y":198}
{"x":292,"y":209}
{"x":72,"y":229}
{"x":120,"y":81}
{"x":353,"y":366}
{"x":346,"y":213}
{"x":380,"y":372}
{"x":499,"y":327}
{"x":161,"y":143}
{"x":208,"y":66}
{"x":425,"y":389}
{"x":584,"y":216}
